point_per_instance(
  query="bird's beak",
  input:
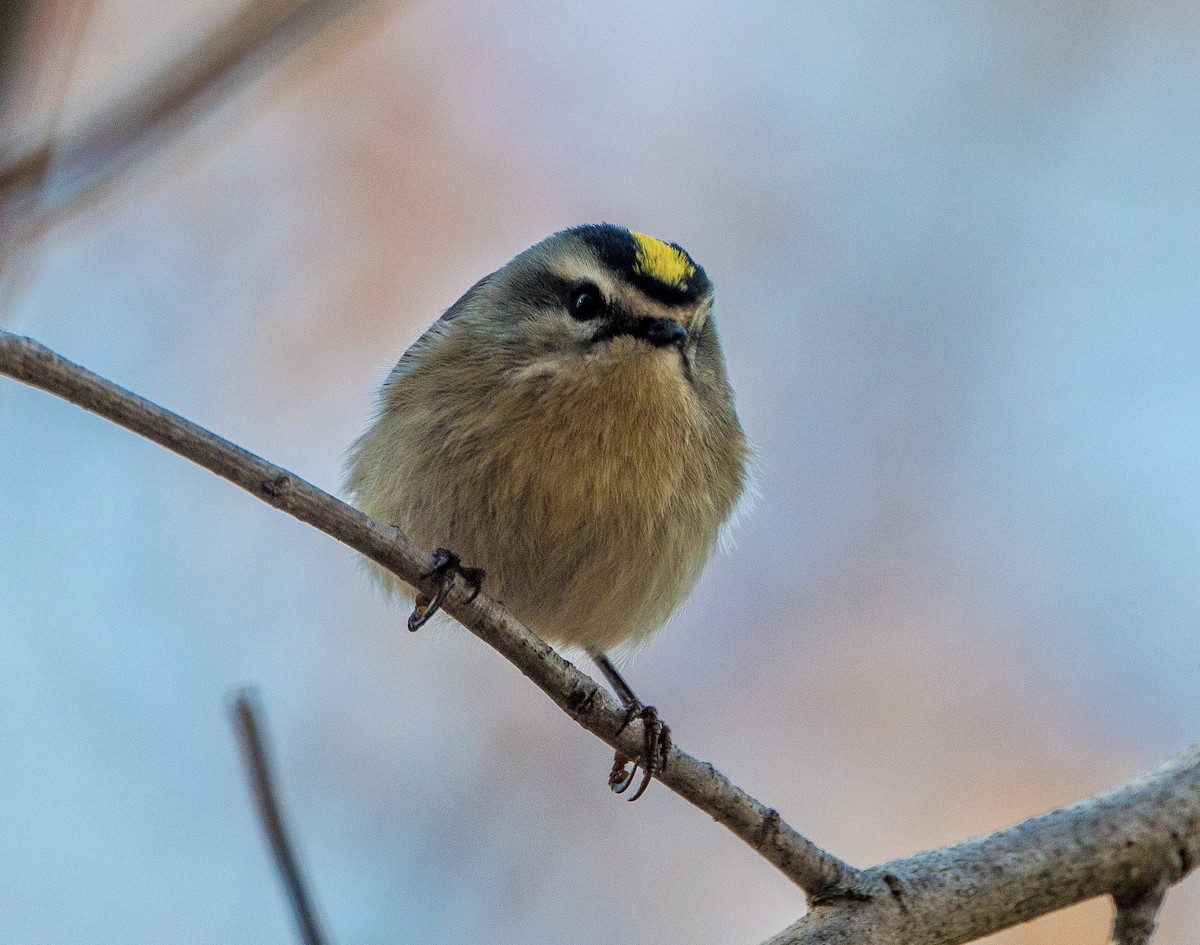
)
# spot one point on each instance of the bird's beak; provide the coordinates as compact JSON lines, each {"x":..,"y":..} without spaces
{"x":660,"y":332}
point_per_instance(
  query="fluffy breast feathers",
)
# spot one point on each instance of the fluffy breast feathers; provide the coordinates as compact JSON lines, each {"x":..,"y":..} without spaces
{"x":592,"y":492}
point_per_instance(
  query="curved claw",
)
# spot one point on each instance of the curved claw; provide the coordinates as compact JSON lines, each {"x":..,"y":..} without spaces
{"x":646,"y":778}
{"x":445,"y":565}
{"x":657,"y":749}
{"x":421,"y":614}
{"x":619,"y":779}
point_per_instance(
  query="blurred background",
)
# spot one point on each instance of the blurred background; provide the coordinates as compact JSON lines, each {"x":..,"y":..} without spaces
{"x":955,"y":249}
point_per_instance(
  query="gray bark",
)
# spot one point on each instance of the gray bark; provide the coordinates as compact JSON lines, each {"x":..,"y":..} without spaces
{"x":1131,"y":842}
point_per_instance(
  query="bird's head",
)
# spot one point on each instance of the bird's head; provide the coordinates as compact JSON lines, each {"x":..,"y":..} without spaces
{"x":599,"y":294}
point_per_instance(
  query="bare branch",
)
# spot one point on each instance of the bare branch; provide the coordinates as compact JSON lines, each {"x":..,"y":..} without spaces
{"x":1144,"y":834}
{"x":18,"y":270}
{"x":247,"y":722}
{"x":55,"y":179}
{"x":1137,"y":915}
{"x":13,"y":16}
{"x":818,"y":872}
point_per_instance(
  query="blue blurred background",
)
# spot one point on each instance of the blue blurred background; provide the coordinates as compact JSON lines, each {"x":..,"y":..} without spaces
{"x":955,"y":249}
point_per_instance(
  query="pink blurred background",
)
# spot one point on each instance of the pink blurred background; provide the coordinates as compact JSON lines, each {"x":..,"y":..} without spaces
{"x":956,"y":265}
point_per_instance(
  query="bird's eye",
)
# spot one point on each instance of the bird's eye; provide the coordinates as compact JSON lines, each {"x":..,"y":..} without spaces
{"x":586,"y":303}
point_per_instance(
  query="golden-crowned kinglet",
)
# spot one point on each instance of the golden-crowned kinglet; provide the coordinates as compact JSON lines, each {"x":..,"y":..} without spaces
{"x":567,"y":426}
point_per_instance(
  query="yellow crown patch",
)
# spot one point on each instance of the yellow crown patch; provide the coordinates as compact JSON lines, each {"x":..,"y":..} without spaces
{"x":662,"y":261}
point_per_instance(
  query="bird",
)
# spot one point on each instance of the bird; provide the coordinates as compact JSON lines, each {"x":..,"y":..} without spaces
{"x":567,"y":428}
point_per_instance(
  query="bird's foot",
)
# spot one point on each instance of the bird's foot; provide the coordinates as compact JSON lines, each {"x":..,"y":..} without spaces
{"x":656,"y":748}
{"x":446,"y":564}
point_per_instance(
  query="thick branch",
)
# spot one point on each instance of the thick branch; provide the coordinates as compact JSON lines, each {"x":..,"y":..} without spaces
{"x":1142,"y":835}
{"x":813,"y":869}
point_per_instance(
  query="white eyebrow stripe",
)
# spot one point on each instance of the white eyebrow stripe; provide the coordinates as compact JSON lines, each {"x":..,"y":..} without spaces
{"x":581,"y":266}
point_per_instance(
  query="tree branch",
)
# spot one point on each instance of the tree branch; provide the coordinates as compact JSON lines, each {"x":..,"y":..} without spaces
{"x":55,"y":179}
{"x":248,"y":724}
{"x":1144,"y":834}
{"x":817,"y":872}
{"x":1130,"y":842}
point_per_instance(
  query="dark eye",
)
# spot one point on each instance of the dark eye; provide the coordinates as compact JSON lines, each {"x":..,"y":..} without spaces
{"x":586,"y":303}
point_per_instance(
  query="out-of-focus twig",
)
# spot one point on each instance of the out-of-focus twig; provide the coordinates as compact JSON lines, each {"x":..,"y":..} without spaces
{"x":54,"y":180}
{"x":247,"y":720}
{"x":13,"y":14}
{"x":18,"y":270}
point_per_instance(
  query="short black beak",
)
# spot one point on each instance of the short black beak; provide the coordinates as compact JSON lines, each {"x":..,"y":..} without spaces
{"x":660,"y":332}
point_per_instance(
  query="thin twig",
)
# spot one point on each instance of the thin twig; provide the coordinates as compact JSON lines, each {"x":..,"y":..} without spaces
{"x":1137,"y":915}
{"x":53,"y":180}
{"x":247,"y":722}
{"x":14,"y":14}
{"x":813,"y":869}
{"x":18,"y":270}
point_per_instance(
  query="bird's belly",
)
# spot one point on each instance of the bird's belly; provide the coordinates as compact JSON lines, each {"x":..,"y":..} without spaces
{"x":595,"y":582}
{"x":591,"y":500}
{"x":584,"y":560}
